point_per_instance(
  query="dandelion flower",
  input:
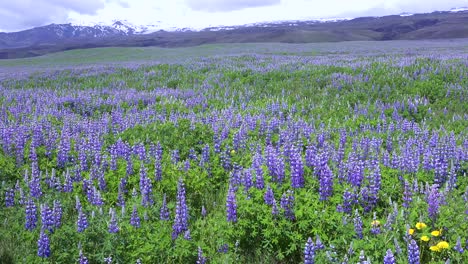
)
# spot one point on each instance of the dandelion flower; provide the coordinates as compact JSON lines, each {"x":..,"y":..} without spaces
{"x":443,"y":245}
{"x":434,"y":248}
{"x":425,"y":238}
{"x":411,"y":231}
{"x":420,"y":225}
{"x":375,"y":223}
{"x":435,"y":233}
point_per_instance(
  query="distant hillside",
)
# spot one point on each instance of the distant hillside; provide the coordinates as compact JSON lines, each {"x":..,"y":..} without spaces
{"x":54,"y":38}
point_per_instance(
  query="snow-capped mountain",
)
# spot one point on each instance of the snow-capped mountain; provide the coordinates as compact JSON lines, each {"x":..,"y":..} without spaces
{"x":58,"y":37}
{"x":458,"y":9}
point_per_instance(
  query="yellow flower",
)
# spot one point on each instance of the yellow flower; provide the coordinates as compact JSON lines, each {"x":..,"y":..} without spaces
{"x":435,"y":233}
{"x":375,"y":223}
{"x":434,"y":248}
{"x":420,"y":225}
{"x":443,"y":245}
{"x":233,"y":152}
{"x":411,"y":231}
{"x":425,"y":238}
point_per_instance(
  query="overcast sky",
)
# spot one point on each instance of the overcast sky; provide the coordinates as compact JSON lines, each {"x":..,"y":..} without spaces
{"x":22,"y":14}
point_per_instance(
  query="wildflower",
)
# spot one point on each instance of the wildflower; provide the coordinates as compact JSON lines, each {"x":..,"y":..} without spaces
{"x":389,"y":258}
{"x":43,"y":245}
{"x":433,"y":200}
{"x":435,"y":233}
{"x":112,"y":226}
{"x":83,"y":259}
{"x":164,"y":213}
{"x":181,"y":212}
{"x":375,"y":223}
{"x":358,"y":225}
{"x":443,"y":245}
{"x":420,"y":225}
{"x":201,"y":259}
{"x":425,"y":238}
{"x":309,"y":252}
{"x":458,"y":247}
{"x":135,"y":219}
{"x":411,"y":231}
{"x":413,"y":252}
{"x":231,"y":206}
{"x":434,"y":248}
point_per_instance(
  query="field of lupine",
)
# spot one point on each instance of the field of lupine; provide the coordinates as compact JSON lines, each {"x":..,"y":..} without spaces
{"x":345,"y":156}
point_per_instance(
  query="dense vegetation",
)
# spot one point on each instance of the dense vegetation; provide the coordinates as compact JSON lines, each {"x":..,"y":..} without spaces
{"x":257,"y":158}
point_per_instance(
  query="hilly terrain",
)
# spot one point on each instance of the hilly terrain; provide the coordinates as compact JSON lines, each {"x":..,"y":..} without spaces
{"x":60,"y":37}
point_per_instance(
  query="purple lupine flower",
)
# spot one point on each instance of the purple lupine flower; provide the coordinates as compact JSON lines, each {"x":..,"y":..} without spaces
{"x":164,"y":213}
{"x":108,"y":260}
{"x":35,"y":181}
{"x":31,"y":215}
{"x":231,"y":205}
{"x":10,"y":198}
{"x":247,"y":180}
{"x":413,"y":252}
{"x":68,"y":184}
{"x":146,"y":188}
{"x":57,"y":213}
{"x":187,"y":235}
{"x":82,"y":258}
{"x":97,"y":198}
{"x":158,"y":169}
{"x":269,"y":196}
{"x":318,"y":243}
{"x":225,"y":158}
{"x":309,"y":252}
{"x":326,"y":182}
{"x":113,"y":226}
{"x":297,"y":168}
{"x":274,"y":208}
{"x":201,"y":259}
{"x":287,"y":204}
{"x":358,"y":225}
{"x":389,"y":258}
{"x":458,"y":247}
{"x":47,"y":218}
{"x":280,"y":170}
{"x":82,"y":222}
{"x":120,"y":198}
{"x":181,"y":212}
{"x":175,"y":157}
{"x":407,"y":194}
{"x":433,"y":201}
{"x":224,"y":248}
{"x":135,"y":219}
{"x":235,"y":176}
{"x":257,"y":167}
{"x":43,"y":245}
{"x":203,"y":211}
{"x":205,"y":158}
{"x":349,"y":199}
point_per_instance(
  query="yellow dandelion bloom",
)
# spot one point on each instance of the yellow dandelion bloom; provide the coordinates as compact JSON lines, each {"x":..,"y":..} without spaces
{"x":233,"y":152}
{"x":375,"y":223}
{"x":443,"y":245}
{"x":425,"y":238}
{"x":411,"y":231}
{"x":435,"y":248}
{"x":435,"y":233}
{"x":420,"y":225}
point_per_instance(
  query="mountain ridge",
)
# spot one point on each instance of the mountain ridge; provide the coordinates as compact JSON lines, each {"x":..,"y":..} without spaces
{"x":58,"y":37}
